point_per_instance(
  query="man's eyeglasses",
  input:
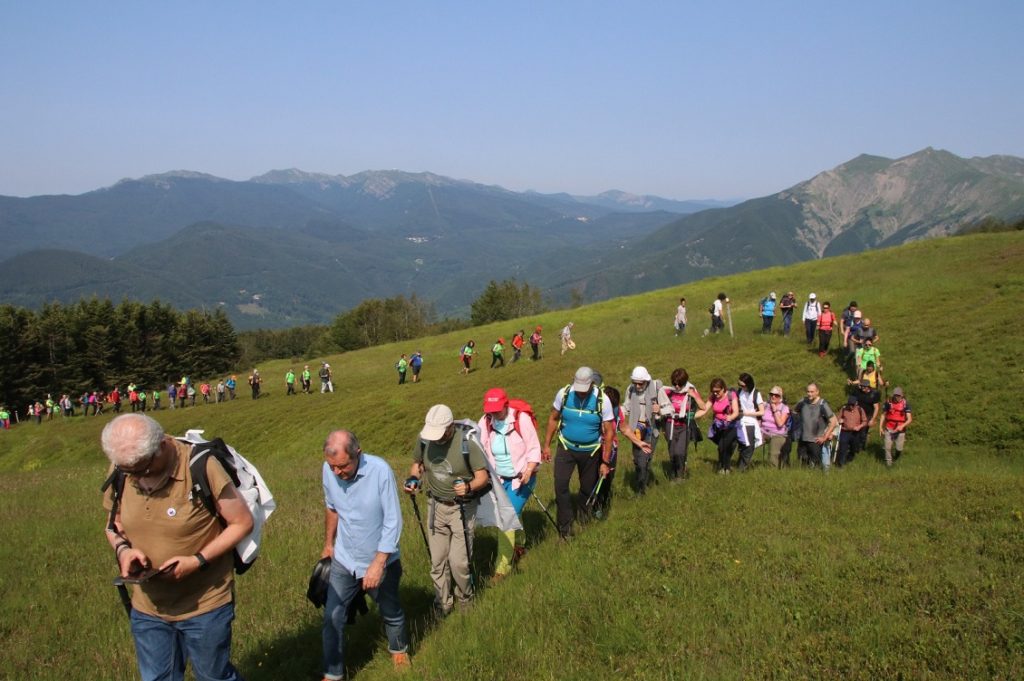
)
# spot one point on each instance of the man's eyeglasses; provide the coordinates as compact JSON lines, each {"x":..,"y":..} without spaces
{"x":141,"y":469}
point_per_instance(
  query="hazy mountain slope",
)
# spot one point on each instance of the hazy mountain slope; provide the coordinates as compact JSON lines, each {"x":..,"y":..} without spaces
{"x":867,"y":202}
{"x":132,"y":212}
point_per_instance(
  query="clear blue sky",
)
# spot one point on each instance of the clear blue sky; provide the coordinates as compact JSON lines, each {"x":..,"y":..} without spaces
{"x":679,"y":99}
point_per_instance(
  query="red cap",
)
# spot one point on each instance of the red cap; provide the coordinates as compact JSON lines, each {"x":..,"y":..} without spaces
{"x":495,"y":400}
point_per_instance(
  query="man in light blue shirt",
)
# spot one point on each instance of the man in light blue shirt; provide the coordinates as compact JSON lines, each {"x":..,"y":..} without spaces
{"x":362,"y":524}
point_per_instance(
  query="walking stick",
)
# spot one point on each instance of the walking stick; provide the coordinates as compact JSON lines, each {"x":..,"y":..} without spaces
{"x":728,"y":313}
{"x":469,"y":547}
{"x":419,"y":521}
{"x":544,"y":508}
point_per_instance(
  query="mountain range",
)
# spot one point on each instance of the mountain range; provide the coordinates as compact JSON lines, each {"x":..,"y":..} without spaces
{"x":291,"y":247}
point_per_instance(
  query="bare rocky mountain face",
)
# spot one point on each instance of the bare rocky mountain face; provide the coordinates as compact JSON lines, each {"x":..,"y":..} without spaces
{"x":927,"y":194}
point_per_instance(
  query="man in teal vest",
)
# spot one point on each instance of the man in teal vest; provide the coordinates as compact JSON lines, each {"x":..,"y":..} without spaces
{"x":582,"y":416}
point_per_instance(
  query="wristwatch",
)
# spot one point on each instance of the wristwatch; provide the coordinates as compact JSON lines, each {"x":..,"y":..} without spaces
{"x":203,"y":563}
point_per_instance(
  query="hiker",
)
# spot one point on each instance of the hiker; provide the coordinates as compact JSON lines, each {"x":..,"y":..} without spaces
{"x":716,"y":310}
{"x":5,"y":417}
{"x":402,"y":365}
{"x":510,"y":442}
{"x":748,"y":429}
{"x":811,"y":312}
{"x":566,"y":336}
{"x":536,"y":340}
{"x":187,"y":613}
{"x":775,"y":427}
{"x":582,"y":417}
{"x":182,"y":394}
{"x":815,"y":425}
{"x":861,"y":332}
{"x":362,"y":525}
{"x":893,"y":427}
{"x":725,"y":410}
{"x":204,"y":389}
{"x":680,"y":320}
{"x":680,"y":427}
{"x":641,"y":419}
{"x":786,"y":306}
{"x":466,"y":356}
{"x":289,"y":381}
{"x":416,"y":363}
{"x":307,"y":379}
{"x":852,"y":420}
{"x":96,"y":402}
{"x":326,"y":378}
{"x":191,"y":391}
{"x":254,"y":382}
{"x":846,"y":323}
{"x":866,"y":354}
{"x":869,"y":400}
{"x":517,"y":342}
{"x":871,"y":374}
{"x":453,"y":469}
{"x":231,"y":384}
{"x":156,"y":399}
{"x":221,"y":391}
{"x":115,"y":399}
{"x":768,"y":313}
{"x":498,"y":353}
{"x":826,"y":321}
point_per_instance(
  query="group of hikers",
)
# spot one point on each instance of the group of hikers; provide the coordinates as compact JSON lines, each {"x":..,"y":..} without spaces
{"x":178,"y":393}
{"x":474,"y":473}
{"x":517,"y":344}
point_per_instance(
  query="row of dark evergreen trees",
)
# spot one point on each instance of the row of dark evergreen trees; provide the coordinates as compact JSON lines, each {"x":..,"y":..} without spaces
{"x":95,"y":345}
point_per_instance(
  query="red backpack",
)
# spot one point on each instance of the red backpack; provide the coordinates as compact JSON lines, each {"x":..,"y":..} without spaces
{"x":520,"y":407}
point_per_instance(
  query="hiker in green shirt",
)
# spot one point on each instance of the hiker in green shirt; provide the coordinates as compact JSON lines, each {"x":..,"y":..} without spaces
{"x":5,"y":418}
{"x":867,"y":353}
{"x":307,"y":377}
{"x":289,"y":379}
{"x":156,"y":400}
{"x":498,"y":353}
{"x":402,"y":365}
{"x":467,"y":355}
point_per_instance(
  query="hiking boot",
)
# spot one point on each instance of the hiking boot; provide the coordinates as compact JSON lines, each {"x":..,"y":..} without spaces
{"x":401,"y":662}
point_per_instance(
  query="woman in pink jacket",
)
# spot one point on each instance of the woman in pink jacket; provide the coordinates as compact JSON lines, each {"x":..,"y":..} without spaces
{"x":510,"y":442}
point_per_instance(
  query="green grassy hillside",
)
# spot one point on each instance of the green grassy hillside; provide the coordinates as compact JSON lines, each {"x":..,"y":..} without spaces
{"x":864,"y":573}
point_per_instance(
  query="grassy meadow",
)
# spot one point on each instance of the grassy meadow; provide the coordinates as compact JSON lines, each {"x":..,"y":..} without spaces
{"x":864,"y":573}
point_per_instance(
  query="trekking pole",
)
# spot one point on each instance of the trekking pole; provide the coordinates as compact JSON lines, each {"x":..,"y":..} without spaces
{"x":544,"y":508}
{"x":597,"y":490}
{"x":469,"y":548}
{"x":728,"y":313}
{"x":419,"y":521}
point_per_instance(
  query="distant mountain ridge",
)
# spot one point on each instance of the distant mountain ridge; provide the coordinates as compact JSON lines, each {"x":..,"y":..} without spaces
{"x":867,"y":202}
{"x":291,"y":247}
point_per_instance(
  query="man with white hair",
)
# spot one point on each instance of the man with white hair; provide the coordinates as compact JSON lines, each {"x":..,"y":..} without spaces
{"x":362,"y":524}
{"x":181,"y":554}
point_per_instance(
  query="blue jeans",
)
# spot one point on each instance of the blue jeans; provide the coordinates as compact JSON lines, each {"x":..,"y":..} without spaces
{"x":343,"y":588}
{"x":162,"y":647}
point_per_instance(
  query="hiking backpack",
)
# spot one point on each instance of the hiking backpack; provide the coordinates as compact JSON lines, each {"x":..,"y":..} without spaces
{"x":469,"y":433}
{"x":247,"y":479}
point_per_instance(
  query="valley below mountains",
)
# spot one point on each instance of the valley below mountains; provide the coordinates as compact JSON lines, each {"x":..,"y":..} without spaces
{"x":290,"y":247}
